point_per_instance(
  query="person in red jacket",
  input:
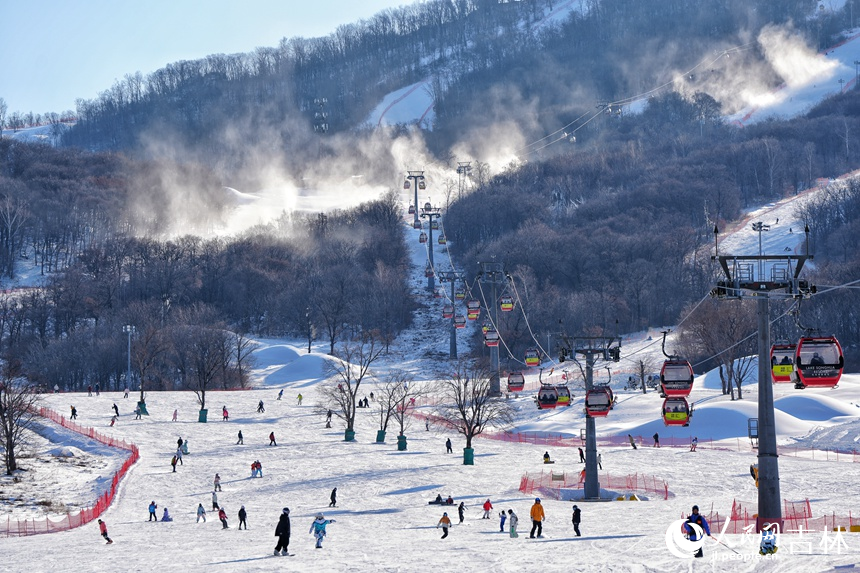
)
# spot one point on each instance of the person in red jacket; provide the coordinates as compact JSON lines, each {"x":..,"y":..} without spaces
{"x":222,"y":515}
{"x":103,"y":529}
{"x":487,"y":508}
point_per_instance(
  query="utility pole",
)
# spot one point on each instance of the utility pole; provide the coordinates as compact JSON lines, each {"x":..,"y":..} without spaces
{"x":430,"y":212}
{"x":415,"y":179}
{"x":856,"y":73}
{"x":493,"y":273}
{"x":464,"y":170}
{"x":591,"y":348}
{"x":775,"y":272}
{"x":320,"y":121}
{"x":452,"y":277}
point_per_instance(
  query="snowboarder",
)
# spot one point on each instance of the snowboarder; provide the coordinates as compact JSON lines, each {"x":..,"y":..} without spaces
{"x":333,"y":502}
{"x":768,"y":539}
{"x":282,"y":532}
{"x":243,"y":515}
{"x":215,"y":501}
{"x":217,"y":482}
{"x":280,"y":394}
{"x":448,"y":446}
{"x":318,"y":528}
{"x":116,"y":409}
{"x":152,"y":508}
{"x":600,"y":461}
{"x":272,"y":441}
{"x":632,"y":443}
{"x":173,"y":463}
{"x":74,"y":415}
{"x":577,"y":517}
{"x":694,"y":443}
{"x":538,"y":517}
{"x":222,"y":515}
{"x":487,"y":508}
{"x":260,"y":408}
{"x":175,"y":414}
{"x":444,"y":523}
{"x":581,"y":455}
{"x":513,"y":520}
{"x":112,"y":421}
{"x":656,"y":440}
{"x":546,"y":458}
{"x":166,"y":516}
{"x":241,"y":439}
{"x":502,"y":517}
{"x":461,"y":510}
{"x":103,"y":530}
{"x":693,"y":535}
{"x":201,"y":513}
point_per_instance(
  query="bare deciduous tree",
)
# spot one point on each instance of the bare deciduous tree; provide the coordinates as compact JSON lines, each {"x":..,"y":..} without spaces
{"x":468,"y":404}
{"x":18,"y":399}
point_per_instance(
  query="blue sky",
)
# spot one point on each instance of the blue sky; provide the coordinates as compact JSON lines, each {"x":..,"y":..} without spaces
{"x":55,"y":51}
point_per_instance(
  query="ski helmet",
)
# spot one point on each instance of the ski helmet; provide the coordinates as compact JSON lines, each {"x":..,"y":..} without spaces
{"x":286,"y":510}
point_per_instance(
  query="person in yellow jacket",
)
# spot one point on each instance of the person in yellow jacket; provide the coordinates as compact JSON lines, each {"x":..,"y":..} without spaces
{"x":537,"y":516}
{"x":444,"y":523}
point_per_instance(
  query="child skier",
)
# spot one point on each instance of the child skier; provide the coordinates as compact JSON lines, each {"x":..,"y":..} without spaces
{"x":318,"y":528}
{"x":103,"y":530}
{"x":217,"y":482}
{"x":444,"y":523}
{"x":768,"y":539}
{"x":502,"y":517}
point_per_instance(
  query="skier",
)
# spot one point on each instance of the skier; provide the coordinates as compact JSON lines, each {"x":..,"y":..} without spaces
{"x":448,"y":446}
{"x":444,"y":523}
{"x":537,"y":516}
{"x":513,"y":520}
{"x":241,"y":439}
{"x":217,"y":482}
{"x":282,"y":532}
{"x":74,"y":415}
{"x":600,"y":461}
{"x":300,"y":399}
{"x":201,"y":513}
{"x":768,"y":539}
{"x":215,"y":501}
{"x":254,"y":469}
{"x":461,"y":510}
{"x":581,"y":455}
{"x":137,"y":412}
{"x":166,"y":516}
{"x":280,"y":394}
{"x":222,"y":515}
{"x":502,"y":517}
{"x":272,"y":441}
{"x":318,"y":528}
{"x":243,"y":515}
{"x":175,"y":414}
{"x":173,"y":463}
{"x":577,"y":516}
{"x":333,"y":502}
{"x":259,"y":468}
{"x":116,"y":409}
{"x":260,"y":408}
{"x":179,"y":455}
{"x":694,"y":443}
{"x":487,"y":508}
{"x":692,"y":534}
{"x":103,"y":530}
{"x":152,"y":508}
{"x":225,"y":415}
{"x":656,"y":440}
{"x":632,"y":443}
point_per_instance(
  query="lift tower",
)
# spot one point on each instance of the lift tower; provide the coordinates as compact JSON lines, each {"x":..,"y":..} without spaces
{"x":760,"y":276}
{"x":452,"y":277}
{"x":591,"y":347}
{"x":493,"y":273}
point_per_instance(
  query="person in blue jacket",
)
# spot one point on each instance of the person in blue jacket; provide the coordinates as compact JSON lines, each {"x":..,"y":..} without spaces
{"x":318,"y":528}
{"x":699,"y":520}
{"x":152,"y":508}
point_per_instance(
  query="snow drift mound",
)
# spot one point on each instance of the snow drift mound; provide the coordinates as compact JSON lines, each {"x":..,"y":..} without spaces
{"x":274,"y":355}
{"x":841,"y":437}
{"x":815,"y":407}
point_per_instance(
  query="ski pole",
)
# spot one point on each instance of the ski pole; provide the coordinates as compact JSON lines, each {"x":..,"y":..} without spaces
{"x":721,"y":543}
